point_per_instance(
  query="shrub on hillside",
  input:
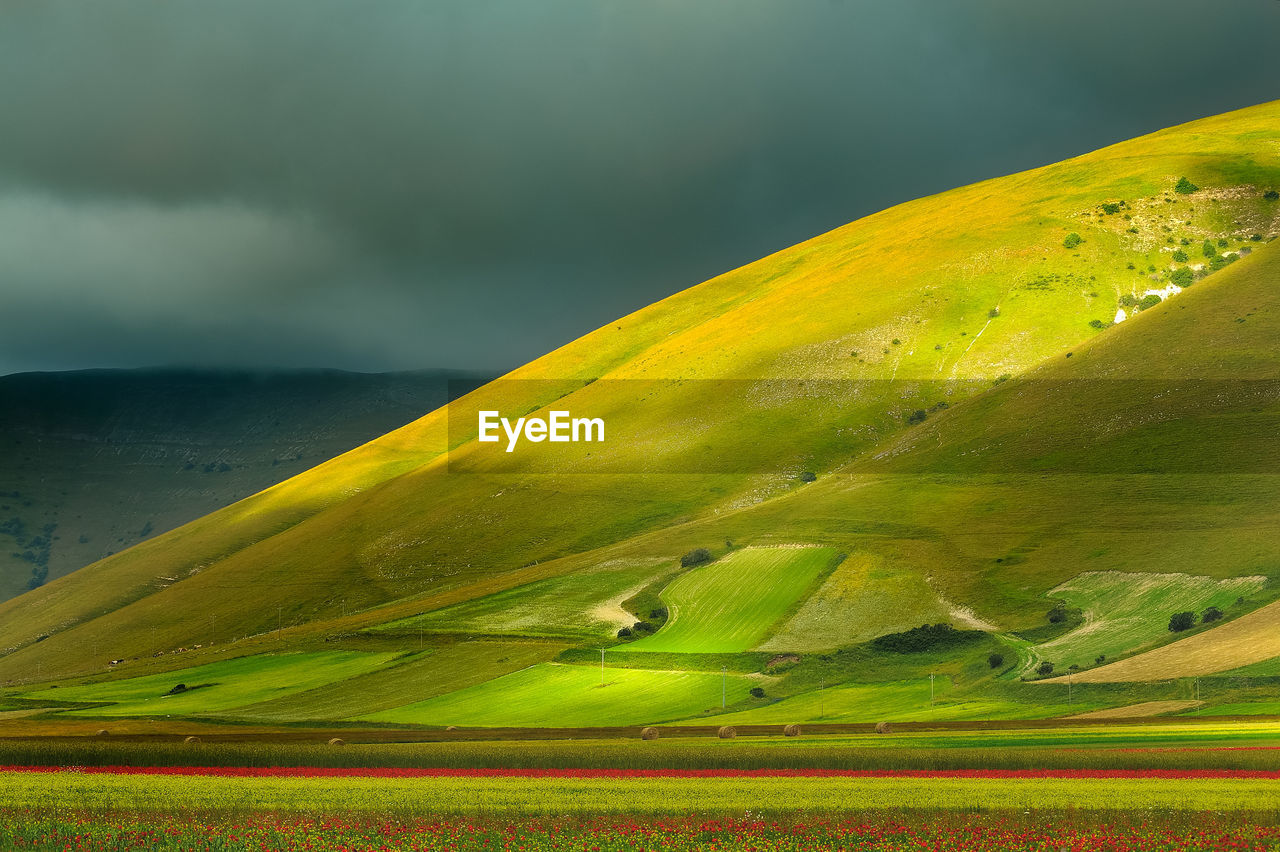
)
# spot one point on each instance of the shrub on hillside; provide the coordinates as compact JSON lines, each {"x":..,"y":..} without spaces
{"x":926,"y":637}
{"x":917,"y":416}
{"x":808,"y":476}
{"x":1072,"y":240}
{"x":757,"y":692}
{"x":624,"y":633}
{"x":1044,"y":669}
{"x":1097,"y":323}
{"x":659,"y":614}
{"x":1148,"y":301}
{"x":1110,"y":209}
{"x":1210,"y":614}
{"x":1271,"y":195}
{"x":697,"y":556}
{"x":643,"y":627}
{"x":1185,"y":187}
{"x":1058,"y":614}
{"x":1128,"y":300}
{"x":1100,"y":659}
{"x":1208,"y":249}
{"x":1183,"y":277}
{"x":1181,"y":621}
{"x":995,"y":661}
{"x":1180,"y":256}
{"x":993,"y":313}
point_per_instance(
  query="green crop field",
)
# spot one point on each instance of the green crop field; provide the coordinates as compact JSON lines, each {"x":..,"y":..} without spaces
{"x":221,"y":686}
{"x":426,"y":674}
{"x":587,"y":604}
{"x":1124,"y":612}
{"x":553,"y":695}
{"x":732,"y":604}
{"x":893,"y":702}
{"x":864,"y":597}
{"x":553,"y":796}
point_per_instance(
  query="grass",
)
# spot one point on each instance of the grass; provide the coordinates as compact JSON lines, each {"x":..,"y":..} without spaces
{"x":219,"y":687}
{"x":864,"y":597}
{"x":893,"y":702}
{"x":1170,"y":744}
{"x":441,"y":668}
{"x":733,"y":603}
{"x":584,"y":605}
{"x":1124,"y":612}
{"x":554,"y":695}
{"x":1250,"y":639}
{"x":402,"y":797}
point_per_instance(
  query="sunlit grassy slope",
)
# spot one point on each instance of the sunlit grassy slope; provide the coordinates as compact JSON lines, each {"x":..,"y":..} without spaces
{"x":220,"y":686}
{"x":732,"y":604}
{"x":575,"y":696}
{"x":969,"y":298}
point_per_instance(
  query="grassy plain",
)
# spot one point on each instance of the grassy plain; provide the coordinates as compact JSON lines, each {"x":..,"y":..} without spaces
{"x":441,"y":796}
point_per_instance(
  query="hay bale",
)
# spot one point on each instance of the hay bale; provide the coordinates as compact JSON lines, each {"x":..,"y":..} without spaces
{"x":190,"y":740}
{"x":104,"y":733}
{"x":452,"y":728}
{"x":884,"y":728}
{"x":791,"y":731}
{"x":337,"y":741}
{"x":650,"y":734}
{"x":727,"y":732}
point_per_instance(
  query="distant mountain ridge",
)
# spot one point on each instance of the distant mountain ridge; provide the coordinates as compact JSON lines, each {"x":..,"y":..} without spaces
{"x":94,"y":461}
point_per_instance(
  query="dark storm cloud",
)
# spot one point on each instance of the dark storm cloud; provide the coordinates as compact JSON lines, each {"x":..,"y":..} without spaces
{"x":414,"y":184}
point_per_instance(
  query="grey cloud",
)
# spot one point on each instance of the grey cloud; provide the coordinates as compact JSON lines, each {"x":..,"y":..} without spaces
{"x":408,"y":184}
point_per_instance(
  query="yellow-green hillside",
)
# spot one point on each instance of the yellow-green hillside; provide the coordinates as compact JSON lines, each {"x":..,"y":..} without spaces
{"x":929,"y":302}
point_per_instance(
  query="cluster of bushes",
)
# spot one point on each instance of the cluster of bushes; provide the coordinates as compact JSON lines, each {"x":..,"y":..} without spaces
{"x":926,"y":637}
{"x":1072,"y":240}
{"x":638,"y":630}
{"x":697,"y":556}
{"x":1183,"y":277}
{"x":1185,"y":187}
{"x":1181,"y":621}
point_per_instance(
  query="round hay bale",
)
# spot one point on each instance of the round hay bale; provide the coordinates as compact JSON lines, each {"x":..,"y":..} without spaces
{"x":727,"y":732}
{"x":103,"y":733}
{"x":650,"y":734}
{"x":452,"y":728}
{"x":190,"y":740}
{"x":791,"y":731}
{"x":337,"y":741}
{"x":884,"y":728}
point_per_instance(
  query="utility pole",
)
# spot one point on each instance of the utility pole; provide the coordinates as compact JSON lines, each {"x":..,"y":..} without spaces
{"x":931,"y":689}
{"x":1197,"y":689}
{"x":602,"y":650}
{"x":1070,"y":681}
{"x":724,"y":685}
{"x":213,"y":629}
{"x":822,"y":685}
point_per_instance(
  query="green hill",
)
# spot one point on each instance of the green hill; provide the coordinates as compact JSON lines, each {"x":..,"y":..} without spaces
{"x":978,"y":433}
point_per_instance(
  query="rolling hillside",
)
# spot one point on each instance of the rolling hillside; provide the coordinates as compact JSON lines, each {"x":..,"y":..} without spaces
{"x":935,"y":402}
{"x":93,"y":462}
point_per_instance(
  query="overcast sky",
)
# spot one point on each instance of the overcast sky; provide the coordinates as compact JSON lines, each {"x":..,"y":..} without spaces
{"x":428,"y":183}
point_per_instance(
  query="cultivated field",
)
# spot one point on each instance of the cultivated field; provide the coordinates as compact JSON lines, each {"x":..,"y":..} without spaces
{"x":554,"y":695}
{"x":732,"y":604}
